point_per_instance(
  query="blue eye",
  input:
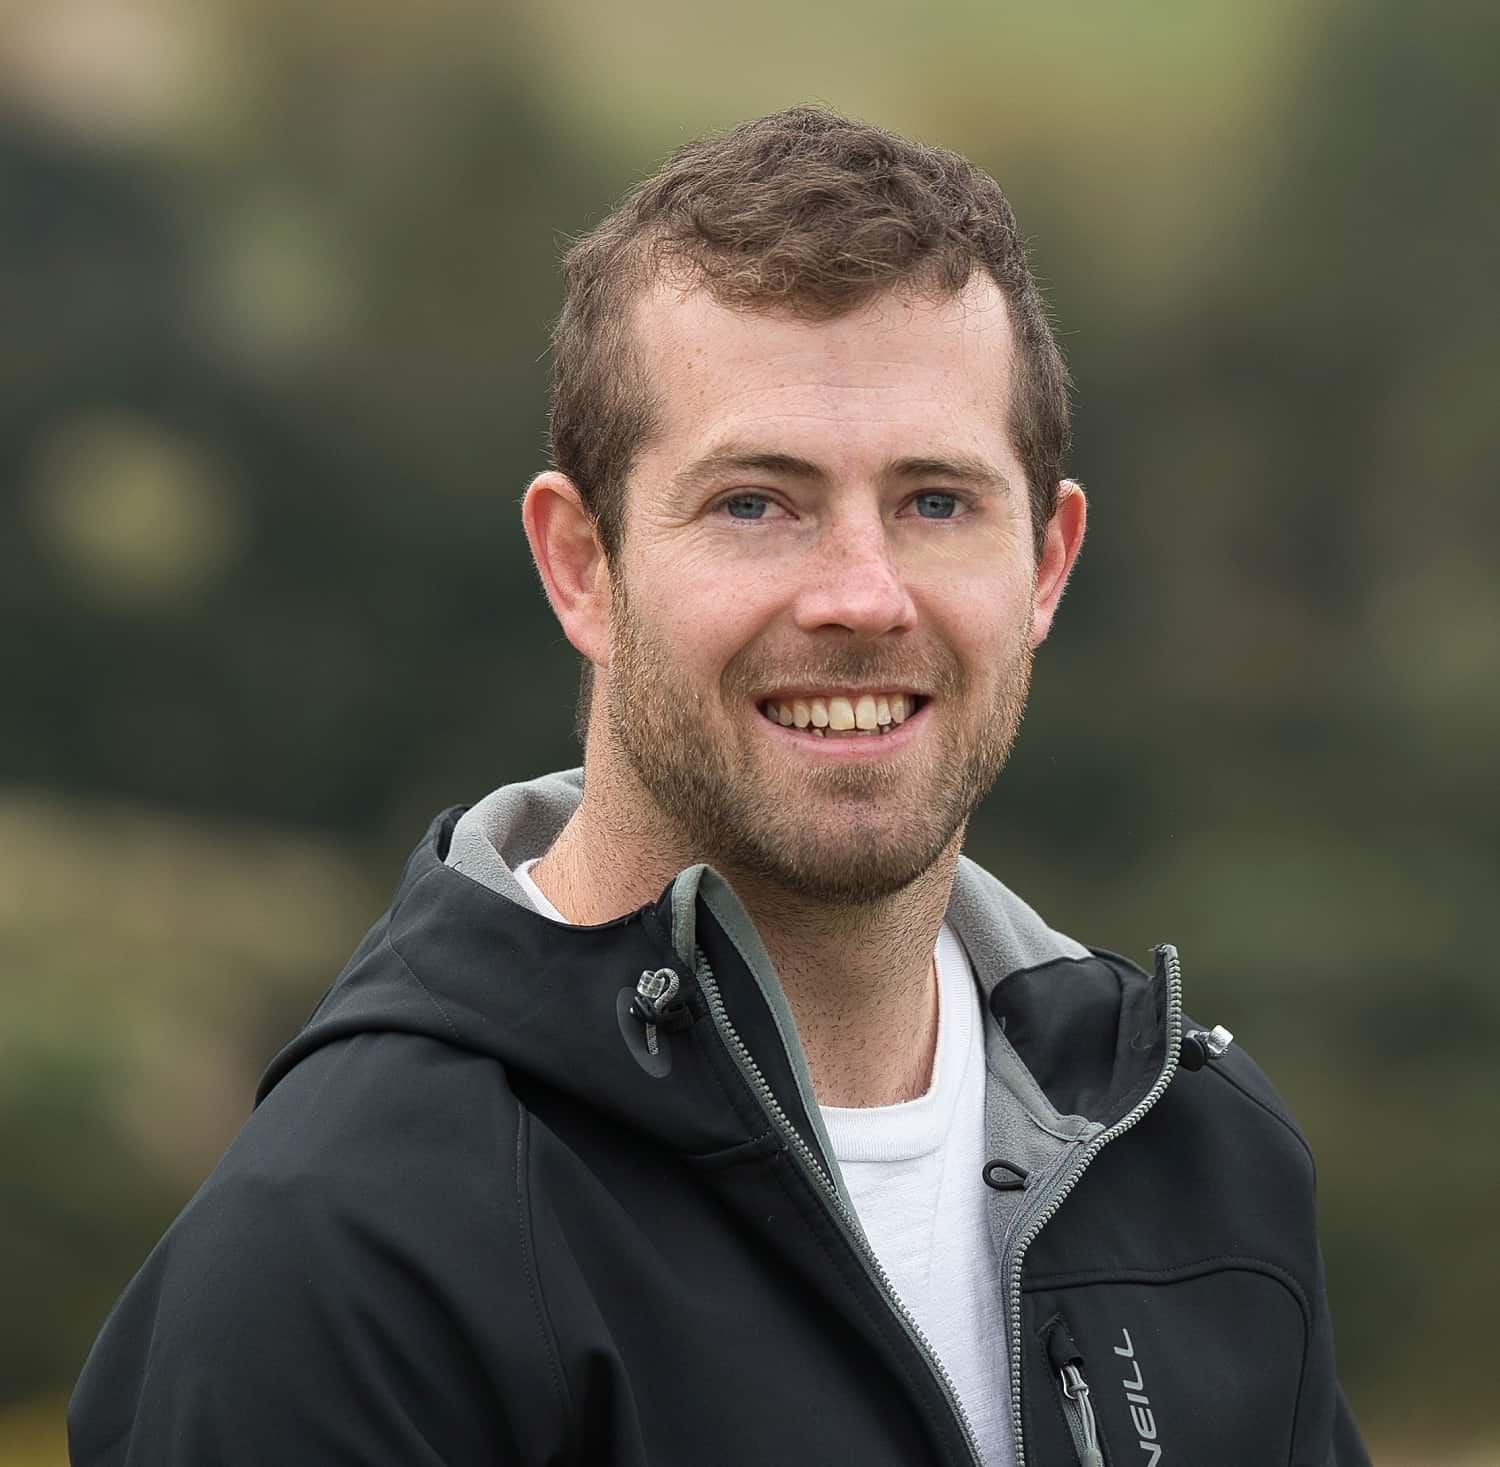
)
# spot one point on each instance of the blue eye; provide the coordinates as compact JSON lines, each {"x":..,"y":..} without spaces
{"x":746,"y":506}
{"x":936,"y":506}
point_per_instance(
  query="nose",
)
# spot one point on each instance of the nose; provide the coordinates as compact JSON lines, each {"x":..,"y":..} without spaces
{"x":852,"y":583}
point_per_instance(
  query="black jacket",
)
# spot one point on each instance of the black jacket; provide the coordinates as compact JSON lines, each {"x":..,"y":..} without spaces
{"x":484,"y":1212}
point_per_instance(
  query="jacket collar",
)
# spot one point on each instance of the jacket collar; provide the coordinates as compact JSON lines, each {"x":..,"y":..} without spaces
{"x":461,"y":957}
{"x":1077,"y":1032}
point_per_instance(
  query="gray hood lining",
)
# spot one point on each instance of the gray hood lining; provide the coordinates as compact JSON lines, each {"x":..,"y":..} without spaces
{"x":514,"y":824}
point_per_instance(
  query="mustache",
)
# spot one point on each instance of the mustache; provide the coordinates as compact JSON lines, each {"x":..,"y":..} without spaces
{"x":933,"y":671}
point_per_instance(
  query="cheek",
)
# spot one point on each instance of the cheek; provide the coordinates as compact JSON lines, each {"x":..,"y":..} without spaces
{"x":691,"y":636}
{"x":703,"y":608}
{"x":975,"y":611}
{"x":980,"y":565}
{"x":987,"y":631}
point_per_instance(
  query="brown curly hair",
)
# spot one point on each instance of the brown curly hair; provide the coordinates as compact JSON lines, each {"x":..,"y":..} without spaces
{"x":806,"y":212}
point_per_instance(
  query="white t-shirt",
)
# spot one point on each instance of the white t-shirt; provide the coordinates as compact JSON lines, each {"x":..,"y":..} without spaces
{"x":914,"y":1174}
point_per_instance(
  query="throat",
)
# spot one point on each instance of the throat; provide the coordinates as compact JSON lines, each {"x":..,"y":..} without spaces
{"x":886,"y":1060}
{"x":862,"y":988}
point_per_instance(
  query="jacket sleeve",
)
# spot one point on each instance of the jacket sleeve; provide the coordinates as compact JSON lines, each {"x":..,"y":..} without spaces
{"x":1346,"y":1448}
{"x":1327,"y":1434}
{"x":352,"y":1285}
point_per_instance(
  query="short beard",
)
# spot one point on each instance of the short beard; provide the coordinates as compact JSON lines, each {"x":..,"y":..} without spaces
{"x":725,"y":812}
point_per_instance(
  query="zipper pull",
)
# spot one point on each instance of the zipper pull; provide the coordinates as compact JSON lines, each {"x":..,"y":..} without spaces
{"x":1086,"y":1433}
{"x":1199,"y":1046}
{"x":1077,"y":1402}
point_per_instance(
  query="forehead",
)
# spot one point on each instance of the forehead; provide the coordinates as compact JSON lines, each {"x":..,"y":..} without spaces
{"x":904,"y":374}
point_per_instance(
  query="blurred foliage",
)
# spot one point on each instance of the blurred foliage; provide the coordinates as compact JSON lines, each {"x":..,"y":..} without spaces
{"x":275,"y":282}
{"x":151,"y":963}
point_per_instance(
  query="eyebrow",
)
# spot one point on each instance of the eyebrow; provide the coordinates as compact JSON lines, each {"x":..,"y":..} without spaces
{"x":961,"y":469}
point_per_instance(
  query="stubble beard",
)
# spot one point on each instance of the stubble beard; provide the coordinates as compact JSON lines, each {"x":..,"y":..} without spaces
{"x":762,"y":824}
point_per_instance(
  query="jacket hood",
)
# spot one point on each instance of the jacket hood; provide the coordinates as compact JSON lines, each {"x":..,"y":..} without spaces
{"x":463,"y":958}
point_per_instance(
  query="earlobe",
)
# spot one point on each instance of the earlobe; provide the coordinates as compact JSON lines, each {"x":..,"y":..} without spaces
{"x":1060,"y":547}
{"x":570,"y":560}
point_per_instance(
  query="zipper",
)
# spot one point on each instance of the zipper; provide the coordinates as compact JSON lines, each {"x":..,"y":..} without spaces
{"x":813,"y":1167}
{"x":1078,"y":1411}
{"x":1167,"y":960}
{"x":1077,"y":1402}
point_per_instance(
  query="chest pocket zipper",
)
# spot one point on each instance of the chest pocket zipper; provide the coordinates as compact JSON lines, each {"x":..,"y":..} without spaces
{"x":1078,"y":1410}
{"x":1077,"y":1403}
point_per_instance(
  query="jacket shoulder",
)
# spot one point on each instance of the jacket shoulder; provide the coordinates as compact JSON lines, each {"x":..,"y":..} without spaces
{"x":352,"y":1282}
{"x":1240,"y":1095}
{"x":1237,"y":1069}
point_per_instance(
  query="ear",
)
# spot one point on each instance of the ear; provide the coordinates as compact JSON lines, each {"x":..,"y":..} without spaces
{"x":1060,"y":546}
{"x":570,"y":559}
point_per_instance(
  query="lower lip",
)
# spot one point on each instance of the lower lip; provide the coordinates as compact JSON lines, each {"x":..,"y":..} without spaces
{"x":855,"y":746}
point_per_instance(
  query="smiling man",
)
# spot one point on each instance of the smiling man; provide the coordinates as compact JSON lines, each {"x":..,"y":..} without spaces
{"x":813,"y":640}
{"x":707,"y":1106}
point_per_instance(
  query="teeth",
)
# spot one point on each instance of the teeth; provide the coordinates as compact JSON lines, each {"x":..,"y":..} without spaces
{"x":869,"y":713}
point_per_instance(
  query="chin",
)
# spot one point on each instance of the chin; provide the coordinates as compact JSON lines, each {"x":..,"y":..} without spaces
{"x":848,"y":872}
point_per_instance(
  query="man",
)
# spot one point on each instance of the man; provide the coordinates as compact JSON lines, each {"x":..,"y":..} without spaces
{"x":711,"y":1108}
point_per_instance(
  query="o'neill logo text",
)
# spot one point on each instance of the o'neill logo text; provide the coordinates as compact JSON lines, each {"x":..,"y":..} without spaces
{"x":1141,"y":1415}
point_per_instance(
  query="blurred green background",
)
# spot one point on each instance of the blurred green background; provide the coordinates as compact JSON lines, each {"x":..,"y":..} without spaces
{"x":275,"y":281}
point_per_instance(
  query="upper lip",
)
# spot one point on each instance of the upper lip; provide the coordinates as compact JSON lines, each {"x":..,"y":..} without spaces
{"x":875,"y":690}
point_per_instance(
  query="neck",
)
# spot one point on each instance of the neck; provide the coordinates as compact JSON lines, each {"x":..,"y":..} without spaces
{"x":860,"y":980}
{"x":861,"y":984}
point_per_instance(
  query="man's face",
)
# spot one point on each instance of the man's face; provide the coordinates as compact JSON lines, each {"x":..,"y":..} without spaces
{"x":829,"y":527}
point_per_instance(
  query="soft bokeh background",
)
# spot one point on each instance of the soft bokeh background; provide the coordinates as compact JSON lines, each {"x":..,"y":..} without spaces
{"x":275,"y":280}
